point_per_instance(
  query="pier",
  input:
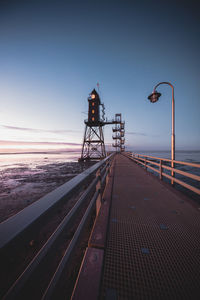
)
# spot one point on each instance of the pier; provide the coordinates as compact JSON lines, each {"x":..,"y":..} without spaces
{"x":128,"y":235}
{"x":146,"y":245}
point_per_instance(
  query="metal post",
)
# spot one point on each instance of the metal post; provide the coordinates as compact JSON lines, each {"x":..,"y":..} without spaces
{"x":173,"y":128}
{"x":108,"y":169}
{"x":98,"y":188}
{"x":160,"y":169}
{"x":173,"y":137}
{"x":84,"y":138}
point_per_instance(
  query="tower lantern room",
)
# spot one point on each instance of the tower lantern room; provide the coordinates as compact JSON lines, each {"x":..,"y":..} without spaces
{"x":94,"y":109}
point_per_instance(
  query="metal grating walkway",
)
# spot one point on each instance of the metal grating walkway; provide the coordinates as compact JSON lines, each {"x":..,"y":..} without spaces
{"x":153,"y":244}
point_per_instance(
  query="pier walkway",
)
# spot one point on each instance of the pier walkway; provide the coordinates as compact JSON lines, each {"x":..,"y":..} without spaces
{"x":152,"y":244}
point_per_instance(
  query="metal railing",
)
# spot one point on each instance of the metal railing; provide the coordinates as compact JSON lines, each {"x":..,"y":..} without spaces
{"x":102,"y":170}
{"x":162,"y":165}
{"x":99,"y":182}
{"x":16,"y":224}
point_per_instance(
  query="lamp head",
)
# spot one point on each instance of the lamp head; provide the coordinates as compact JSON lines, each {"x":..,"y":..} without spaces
{"x":94,"y":94}
{"x":154,"y":96}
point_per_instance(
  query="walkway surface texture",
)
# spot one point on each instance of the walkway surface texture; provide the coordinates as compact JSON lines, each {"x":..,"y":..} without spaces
{"x":153,"y":239}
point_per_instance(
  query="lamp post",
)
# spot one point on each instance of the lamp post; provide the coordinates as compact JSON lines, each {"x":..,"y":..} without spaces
{"x":154,"y":98}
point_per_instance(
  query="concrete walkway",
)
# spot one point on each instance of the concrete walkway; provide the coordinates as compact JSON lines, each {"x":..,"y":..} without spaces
{"x":153,"y":240}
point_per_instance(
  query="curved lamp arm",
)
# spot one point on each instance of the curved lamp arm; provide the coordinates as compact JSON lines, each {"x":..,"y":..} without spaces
{"x":164,"y":82}
{"x":153,"y":98}
{"x":173,"y":112}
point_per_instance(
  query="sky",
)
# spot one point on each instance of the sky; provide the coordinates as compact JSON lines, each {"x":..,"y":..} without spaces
{"x":53,"y":53}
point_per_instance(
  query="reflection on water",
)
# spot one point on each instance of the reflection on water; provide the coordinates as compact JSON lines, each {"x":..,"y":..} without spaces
{"x":27,"y":177}
{"x":32,"y":160}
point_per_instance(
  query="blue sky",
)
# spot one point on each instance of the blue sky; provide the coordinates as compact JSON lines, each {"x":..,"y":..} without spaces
{"x":53,"y":53}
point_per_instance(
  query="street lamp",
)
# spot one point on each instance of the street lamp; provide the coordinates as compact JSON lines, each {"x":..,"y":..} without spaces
{"x":154,"y":98}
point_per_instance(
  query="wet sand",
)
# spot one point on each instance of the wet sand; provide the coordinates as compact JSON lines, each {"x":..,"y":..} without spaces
{"x":22,"y":185}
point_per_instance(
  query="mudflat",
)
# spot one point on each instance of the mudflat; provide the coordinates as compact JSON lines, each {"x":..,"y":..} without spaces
{"x":22,"y":185}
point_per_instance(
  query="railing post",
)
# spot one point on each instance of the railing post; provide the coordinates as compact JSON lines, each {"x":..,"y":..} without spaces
{"x":108,"y":170}
{"x":172,"y":171}
{"x":98,"y":188}
{"x":145,"y":164}
{"x":160,"y":168}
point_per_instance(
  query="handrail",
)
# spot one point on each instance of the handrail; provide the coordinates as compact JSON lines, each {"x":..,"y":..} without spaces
{"x":65,"y":259}
{"x":22,"y":279}
{"x":186,"y":174}
{"x":11,"y":227}
{"x":169,"y":160}
{"x":146,"y":161}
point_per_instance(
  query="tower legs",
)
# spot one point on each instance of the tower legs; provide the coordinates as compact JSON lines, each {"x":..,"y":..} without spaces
{"x":93,"y":143}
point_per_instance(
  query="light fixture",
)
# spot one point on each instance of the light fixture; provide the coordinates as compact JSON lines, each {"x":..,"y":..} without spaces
{"x":154,"y":96}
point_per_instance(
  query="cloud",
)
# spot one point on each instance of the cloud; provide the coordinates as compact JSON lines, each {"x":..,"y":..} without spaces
{"x":7,"y":143}
{"x":136,"y":133}
{"x":18,"y":128}
{"x":61,"y":131}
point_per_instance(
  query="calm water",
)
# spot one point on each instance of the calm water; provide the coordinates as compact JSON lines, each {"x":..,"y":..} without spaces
{"x":188,"y":156}
{"x":32,"y":160}
{"x":25,"y":178}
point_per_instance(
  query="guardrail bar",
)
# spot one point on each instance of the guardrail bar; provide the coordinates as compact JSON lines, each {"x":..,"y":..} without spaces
{"x":11,"y":227}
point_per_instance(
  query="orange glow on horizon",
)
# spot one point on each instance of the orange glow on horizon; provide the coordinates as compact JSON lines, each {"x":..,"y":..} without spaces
{"x":9,"y":147}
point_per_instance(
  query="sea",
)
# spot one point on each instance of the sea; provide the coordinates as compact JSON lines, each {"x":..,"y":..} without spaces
{"x":19,"y":172}
{"x":33,"y":159}
{"x":181,"y":155}
{"x":26,"y":177}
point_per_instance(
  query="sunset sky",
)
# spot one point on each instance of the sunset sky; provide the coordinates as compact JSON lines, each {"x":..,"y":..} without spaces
{"x":53,"y":53}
